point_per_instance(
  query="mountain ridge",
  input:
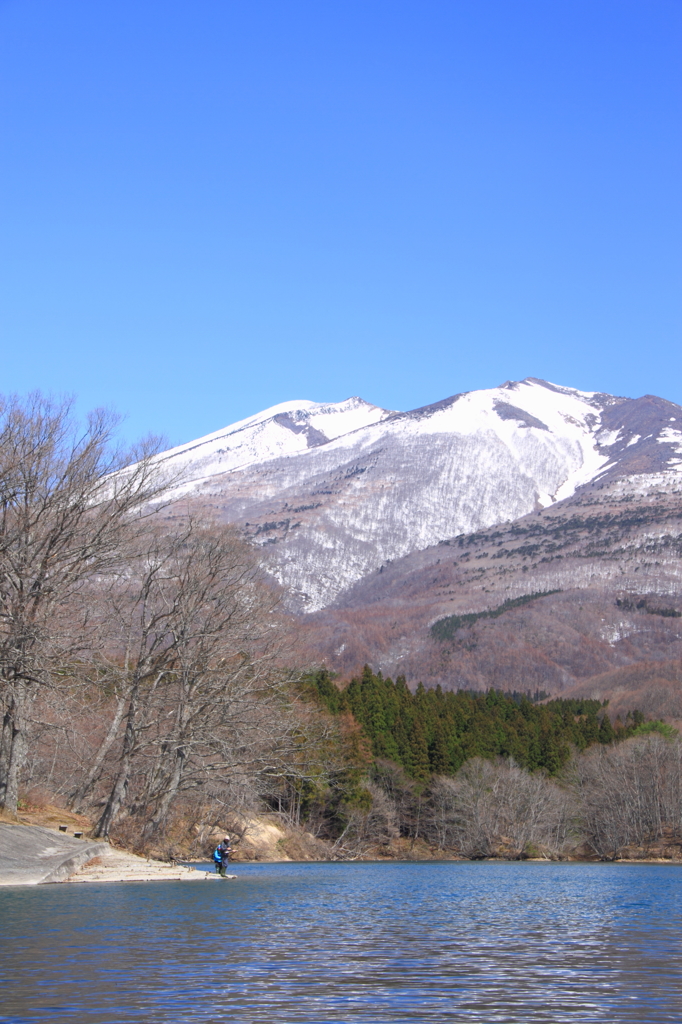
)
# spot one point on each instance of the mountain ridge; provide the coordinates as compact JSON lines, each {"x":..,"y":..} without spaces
{"x":329,"y":510}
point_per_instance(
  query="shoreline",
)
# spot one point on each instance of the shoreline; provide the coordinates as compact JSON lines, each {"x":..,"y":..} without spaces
{"x":114,"y":865}
{"x":33,"y":855}
{"x":38,"y":855}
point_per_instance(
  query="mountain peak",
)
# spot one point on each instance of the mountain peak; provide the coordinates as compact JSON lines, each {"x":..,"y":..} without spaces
{"x":333,"y":491}
{"x":284,"y":429}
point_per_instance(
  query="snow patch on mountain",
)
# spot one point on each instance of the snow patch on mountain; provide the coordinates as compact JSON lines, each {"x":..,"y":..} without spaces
{"x":671,"y":436}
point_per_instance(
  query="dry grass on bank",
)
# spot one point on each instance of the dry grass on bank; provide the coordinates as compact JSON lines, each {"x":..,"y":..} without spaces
{"x":48,"y":815}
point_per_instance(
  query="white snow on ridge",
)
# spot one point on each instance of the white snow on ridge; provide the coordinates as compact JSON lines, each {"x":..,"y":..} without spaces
{"x":644,"y":484}
{"x":560,"y":424}
{"x":302,"y":405}
{"x":284,"y":429}
{"x":552,"y":416}
{"x":333,"y":491}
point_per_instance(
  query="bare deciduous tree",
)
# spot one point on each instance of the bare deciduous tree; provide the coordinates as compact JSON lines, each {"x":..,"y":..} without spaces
{"x":494,"y":808}
{"x":367,"y":827}
{"x":628,"y":794}
{"x":198,"y":663}
{"x":63,"y":516}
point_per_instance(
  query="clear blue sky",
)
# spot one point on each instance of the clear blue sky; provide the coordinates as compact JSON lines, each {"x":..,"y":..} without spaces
{"x":211,"y":207}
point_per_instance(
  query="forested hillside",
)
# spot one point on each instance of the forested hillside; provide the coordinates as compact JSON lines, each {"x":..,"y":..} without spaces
{"x":507,"y":774}
{"x":435,"y":732}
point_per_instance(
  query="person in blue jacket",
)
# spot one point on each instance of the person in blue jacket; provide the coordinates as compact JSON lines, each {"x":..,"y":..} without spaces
{"x":221,"y":856}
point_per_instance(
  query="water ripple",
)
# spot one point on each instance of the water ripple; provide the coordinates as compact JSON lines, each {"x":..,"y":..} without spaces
{"x":362,"y":943}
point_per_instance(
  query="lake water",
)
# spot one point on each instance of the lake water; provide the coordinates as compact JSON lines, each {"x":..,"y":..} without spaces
{"x":362,"y":943}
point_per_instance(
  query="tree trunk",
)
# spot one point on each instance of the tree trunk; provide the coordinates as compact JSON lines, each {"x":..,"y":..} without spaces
{"x":16,"y":748}
{"x":169,"y":793}
{"x":118,"y":792}
{"x":114,"y":804}
{"x":78,"y":798}
{"x":5,"y":745}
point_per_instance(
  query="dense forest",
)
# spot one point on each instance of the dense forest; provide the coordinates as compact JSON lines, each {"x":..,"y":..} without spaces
{"x":435,"y":732}
{"x":491,"y":774}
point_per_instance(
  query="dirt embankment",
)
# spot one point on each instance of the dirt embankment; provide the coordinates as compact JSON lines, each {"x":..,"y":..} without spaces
{"x":48,"y":815}
{"x":268,"y":838}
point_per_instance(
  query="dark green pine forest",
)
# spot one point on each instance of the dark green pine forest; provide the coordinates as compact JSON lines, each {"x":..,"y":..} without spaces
{"x":432,"y":731}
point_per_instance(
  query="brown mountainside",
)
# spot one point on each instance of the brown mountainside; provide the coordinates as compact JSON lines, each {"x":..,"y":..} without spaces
{"x":614,"y":550}
{"x":654,"y":687}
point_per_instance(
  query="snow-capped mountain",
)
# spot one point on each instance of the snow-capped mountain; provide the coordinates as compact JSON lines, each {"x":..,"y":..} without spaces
{"x":335,"y":491}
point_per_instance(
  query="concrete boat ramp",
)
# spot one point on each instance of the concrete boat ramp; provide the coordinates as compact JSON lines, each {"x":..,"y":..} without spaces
{"x":33,"y":855}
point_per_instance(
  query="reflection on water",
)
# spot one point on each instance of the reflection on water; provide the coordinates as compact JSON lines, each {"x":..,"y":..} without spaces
{"x":362,"y":943}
